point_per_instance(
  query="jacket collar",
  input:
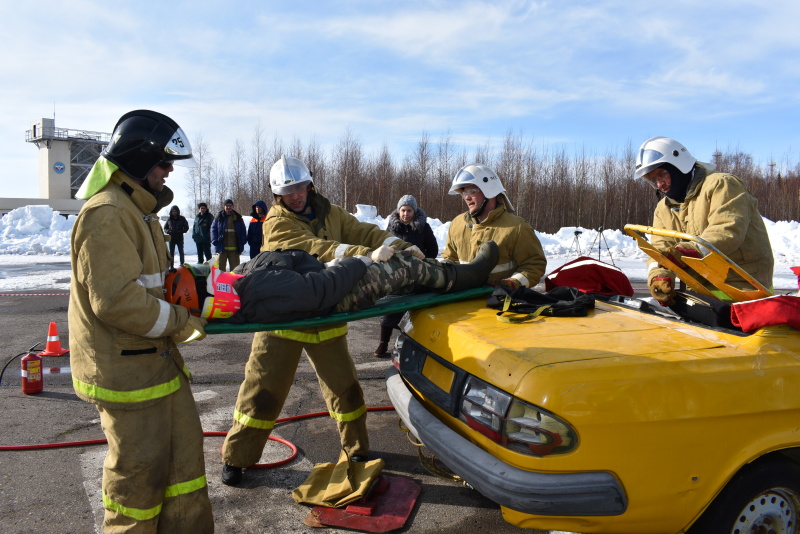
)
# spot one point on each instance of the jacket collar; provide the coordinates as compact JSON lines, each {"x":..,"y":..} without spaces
{"x":494,"y":214}
{"x":148,"y":202}
{"x":700,"y":173}
{"x":320,"y":205}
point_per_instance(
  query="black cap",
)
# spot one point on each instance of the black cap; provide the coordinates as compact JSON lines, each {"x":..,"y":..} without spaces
{"x":228,"y":201}
{"x":202,"y":205}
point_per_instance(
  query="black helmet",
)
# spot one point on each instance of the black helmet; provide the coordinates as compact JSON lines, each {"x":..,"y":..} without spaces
{"x":142,"y":139}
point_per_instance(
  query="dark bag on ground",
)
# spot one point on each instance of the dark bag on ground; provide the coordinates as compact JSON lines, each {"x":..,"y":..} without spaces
{"x":703,"y":309}
{"x":529,"y":304}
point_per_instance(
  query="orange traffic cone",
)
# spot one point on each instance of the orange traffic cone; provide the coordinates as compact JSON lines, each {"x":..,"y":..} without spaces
{"x":53,"y":346}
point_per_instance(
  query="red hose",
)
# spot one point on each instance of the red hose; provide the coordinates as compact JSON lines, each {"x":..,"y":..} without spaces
{"x":292,"y":446}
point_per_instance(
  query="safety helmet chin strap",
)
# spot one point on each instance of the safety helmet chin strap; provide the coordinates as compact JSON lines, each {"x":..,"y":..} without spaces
{"x":480,"y":210}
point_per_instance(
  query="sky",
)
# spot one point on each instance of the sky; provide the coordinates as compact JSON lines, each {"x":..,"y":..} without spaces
{"x":592,"y":76}
{"x":34,"y":249}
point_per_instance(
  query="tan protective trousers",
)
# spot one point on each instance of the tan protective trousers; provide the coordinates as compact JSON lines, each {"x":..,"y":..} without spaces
{"x":154,"y":478}
{"x":229,"y":257}
{"x":268,"y":376}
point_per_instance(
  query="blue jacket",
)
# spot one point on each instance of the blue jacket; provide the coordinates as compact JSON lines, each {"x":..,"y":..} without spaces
{"x":218,"y":231}
{"x":255,"y":230}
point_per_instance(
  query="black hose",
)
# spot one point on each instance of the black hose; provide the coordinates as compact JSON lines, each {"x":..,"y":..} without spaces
{"x":14,"y":358}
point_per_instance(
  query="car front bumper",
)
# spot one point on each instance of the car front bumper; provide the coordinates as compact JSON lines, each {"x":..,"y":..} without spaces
{"x":563,"y":494}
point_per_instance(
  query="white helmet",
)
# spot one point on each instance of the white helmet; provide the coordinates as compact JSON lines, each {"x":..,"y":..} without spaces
{"x":659,"y":150}
{"x":286,"y":172}
{"x":478,"y":175}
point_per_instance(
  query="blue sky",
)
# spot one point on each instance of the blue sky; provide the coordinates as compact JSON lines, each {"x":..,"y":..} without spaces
{"x":580,"y":75}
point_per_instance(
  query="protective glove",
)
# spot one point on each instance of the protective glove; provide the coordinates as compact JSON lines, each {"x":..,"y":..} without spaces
{"x":662,"y":287}
{"x":365,"y":259}
{"x":676,"y":253}
{"x":416,"y":252}
{"x":335,"y":261}
{"x":192,"y":330}
{"x":509,"y":283}
{"x":688,"y":249}
{"x":382,"y":253}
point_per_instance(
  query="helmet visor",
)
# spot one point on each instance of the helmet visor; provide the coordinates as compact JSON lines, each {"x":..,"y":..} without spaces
{"x":463,"y":179}
{"x":178,"y":145}
{"x":647,"y":156}
{"x":293,"y":174}
{"x":646,"y":160}
{"x":179,"y":150}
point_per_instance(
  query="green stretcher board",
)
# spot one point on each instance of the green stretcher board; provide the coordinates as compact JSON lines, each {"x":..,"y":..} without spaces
{"x":382,"y":307}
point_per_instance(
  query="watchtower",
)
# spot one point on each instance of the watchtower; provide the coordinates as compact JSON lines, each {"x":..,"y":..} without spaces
{"x":65,"y":156}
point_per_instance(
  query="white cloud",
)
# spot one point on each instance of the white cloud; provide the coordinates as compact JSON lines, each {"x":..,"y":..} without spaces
{"x":588,"y":73}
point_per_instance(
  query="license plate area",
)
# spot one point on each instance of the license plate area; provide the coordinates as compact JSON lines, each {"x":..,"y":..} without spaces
{"x":436,"y":379}
{"x":438,"y":374}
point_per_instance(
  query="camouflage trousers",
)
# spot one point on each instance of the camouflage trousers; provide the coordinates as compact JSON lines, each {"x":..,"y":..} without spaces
{"x":401,"y":275}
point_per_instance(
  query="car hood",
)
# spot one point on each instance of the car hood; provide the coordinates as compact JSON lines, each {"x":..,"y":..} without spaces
{"x":469,"y":335}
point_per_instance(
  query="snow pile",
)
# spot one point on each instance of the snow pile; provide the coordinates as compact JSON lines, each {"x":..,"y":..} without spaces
{"x":34,"y":250}
{"x":34,"y":230}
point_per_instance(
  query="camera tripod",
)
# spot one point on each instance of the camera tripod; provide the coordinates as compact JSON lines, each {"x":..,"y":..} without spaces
{"x":600,"y":238}
{"x":576,"y":243}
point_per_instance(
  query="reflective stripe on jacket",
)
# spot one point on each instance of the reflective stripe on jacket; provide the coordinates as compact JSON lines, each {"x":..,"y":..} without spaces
{"x":334,"y":233}
{"x":719,"y":208}
{"x":121,"y":352}
{"x":219,"y":234}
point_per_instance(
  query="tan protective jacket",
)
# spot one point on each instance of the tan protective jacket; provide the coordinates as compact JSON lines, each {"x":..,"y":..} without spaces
{"x":119,"y":323}
{"x":719,"y":209}
{"x":521,"y":254}
{"x":334,"y":233}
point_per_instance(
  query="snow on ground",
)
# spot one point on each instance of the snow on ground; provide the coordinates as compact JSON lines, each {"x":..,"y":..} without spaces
{"x":34,"y":248}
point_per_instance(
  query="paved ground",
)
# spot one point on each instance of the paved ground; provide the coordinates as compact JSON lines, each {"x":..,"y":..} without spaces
{"x":57,"y":490}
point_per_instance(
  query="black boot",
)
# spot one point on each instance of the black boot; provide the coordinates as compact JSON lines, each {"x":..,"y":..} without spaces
{"x":383,"y":346}
{"x":231,"y":475}
{"x":472,"y":274}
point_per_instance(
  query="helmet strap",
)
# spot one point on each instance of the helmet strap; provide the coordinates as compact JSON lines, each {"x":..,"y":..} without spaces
{"x":480,"y":210}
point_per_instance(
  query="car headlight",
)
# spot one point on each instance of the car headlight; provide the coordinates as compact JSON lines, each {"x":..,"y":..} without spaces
{"x":514,"y":424}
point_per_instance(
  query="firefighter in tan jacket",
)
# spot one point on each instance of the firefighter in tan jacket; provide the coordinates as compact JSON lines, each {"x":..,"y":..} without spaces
{"x":490,"y":217}
{"x":123,"y":335}
{"x":303,"y":219}
{"x":698,"y":201}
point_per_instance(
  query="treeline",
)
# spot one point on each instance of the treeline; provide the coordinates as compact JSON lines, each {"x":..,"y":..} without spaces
{"x":551,"y":188}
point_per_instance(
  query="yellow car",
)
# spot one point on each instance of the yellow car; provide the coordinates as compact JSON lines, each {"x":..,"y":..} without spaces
{"x":630,"y":419}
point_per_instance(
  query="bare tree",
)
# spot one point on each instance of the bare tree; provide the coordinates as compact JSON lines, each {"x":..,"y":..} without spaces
{"x":347,"y":172}
{"x":238,"y":170}
{"x":200,"y":182}
{"x":259,"y":164}
{"x":550,"y":188}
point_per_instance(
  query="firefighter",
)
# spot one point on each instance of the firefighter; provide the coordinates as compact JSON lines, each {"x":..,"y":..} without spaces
{"x":490,"y":217}
{"x":300,"y":218}
{"x":697,"y":201}
{"x":123,"y":334}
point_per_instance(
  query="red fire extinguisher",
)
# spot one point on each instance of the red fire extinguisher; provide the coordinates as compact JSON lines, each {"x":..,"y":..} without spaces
{"x":32,"y":375}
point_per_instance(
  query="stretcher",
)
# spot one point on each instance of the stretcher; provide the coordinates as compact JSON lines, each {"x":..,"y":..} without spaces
{"x":384,"y":306}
